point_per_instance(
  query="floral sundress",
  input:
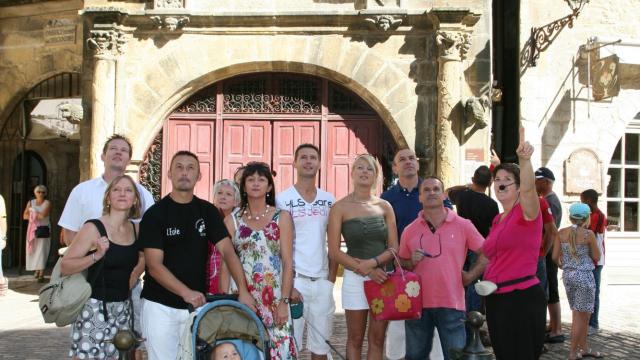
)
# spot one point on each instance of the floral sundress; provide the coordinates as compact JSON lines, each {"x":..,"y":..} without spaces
{"x":259,"y":253}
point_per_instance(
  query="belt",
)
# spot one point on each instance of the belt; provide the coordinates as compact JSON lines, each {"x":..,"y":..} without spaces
{"x":515,"y":281}
{"x":302,"y":276}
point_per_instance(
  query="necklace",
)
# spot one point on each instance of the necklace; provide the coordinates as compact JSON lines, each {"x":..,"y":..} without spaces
{"x":249,"y":215}
{"x":353,"y":198}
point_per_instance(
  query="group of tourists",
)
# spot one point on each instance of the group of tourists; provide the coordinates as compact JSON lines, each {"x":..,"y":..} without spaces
{"x":274,"y":250}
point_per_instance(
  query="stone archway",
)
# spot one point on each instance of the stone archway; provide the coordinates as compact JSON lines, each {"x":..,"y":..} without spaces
{"x":263,"y":117}
{"x":394,"y":73}
{"x":166,"y":81}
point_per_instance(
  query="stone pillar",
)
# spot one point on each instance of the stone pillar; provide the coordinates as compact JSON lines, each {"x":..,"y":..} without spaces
{"x":108,"y":44}
{"x":452,"y":48}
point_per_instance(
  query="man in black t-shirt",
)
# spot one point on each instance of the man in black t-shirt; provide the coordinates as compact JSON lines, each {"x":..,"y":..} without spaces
{"x":174,"y":235}
{"x":473,"y":203}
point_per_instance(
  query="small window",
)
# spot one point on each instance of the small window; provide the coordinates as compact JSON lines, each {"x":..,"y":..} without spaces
{"x":631,"y":149}
{"x":617,"y":154}
{"x":624,"y":185}
{"x":613,"y":190}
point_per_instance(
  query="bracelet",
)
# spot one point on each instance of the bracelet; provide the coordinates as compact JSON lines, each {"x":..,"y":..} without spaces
{"x":376,"y":260}
{"x":93,"y":257}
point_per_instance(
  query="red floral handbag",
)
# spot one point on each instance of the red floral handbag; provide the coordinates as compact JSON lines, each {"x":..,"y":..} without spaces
{"x":398,"y":298}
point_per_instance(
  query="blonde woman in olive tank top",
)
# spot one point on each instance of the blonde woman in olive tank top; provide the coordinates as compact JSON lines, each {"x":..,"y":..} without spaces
{"x":364,"y":220}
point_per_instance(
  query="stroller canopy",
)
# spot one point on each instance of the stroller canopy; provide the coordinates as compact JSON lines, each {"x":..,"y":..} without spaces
{"x":228,"y":319}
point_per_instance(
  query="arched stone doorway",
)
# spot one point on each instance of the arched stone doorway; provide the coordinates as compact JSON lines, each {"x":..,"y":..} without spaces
{"x":44,"y":126}
{"x":29,"y":171}
{"x":263,"y":117}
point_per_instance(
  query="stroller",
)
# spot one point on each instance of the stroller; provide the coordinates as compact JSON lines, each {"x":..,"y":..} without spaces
{"x":223,"y":319}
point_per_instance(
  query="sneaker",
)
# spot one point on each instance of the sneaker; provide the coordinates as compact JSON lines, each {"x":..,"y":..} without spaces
{"x":592,"y":331}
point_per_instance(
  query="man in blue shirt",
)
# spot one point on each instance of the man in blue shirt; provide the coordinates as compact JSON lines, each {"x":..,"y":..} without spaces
{"x":404,"y":198}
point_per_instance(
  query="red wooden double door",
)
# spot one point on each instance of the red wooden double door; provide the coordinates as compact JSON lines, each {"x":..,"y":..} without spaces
{"x":223,"y":145}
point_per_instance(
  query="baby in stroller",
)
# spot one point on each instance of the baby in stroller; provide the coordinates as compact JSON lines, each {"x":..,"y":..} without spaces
{"x":224,"y":329}
{"x":225,"y":351}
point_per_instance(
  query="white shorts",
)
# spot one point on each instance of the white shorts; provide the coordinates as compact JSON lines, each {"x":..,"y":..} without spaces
{"x":353,"y":297}
{"x":162,"y":326}
{"x":319,"y":307}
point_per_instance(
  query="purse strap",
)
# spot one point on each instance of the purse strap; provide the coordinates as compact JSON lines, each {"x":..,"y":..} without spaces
{"x":395,"y":256}
{"x":103,"y":232}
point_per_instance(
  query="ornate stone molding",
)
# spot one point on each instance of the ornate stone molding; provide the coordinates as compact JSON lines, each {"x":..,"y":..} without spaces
{"x":168,"y":4}
{"x":170,"y":23}
{"x":383,"y":22}
{"x":453,"y":45}
{"x":107,"y":42}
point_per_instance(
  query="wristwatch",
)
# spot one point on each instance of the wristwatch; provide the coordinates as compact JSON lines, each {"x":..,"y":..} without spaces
{"x":286,"y":300}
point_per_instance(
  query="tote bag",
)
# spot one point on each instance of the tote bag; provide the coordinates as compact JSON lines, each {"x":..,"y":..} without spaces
{"x":398,"y":298}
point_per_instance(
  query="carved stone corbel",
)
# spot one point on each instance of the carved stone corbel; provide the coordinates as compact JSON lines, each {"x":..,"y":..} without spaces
{"x":383,"y":22}
{"x":476,"y":112}
{"x":170,"y":23}
{"x":168,"y":4}
{"x":453,"y":45}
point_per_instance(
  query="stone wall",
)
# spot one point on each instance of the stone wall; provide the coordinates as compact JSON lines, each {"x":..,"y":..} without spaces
{"x":165,"y":58}
{"x":36,"y":42}
{"x":384,"y":51}
{"x":558,"y":110}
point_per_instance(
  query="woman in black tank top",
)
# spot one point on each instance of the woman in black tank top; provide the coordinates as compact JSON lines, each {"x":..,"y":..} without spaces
{"x":106,"y":247}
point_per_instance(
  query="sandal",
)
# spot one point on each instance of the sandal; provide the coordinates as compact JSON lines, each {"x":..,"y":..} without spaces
{"x":576,"y":356}
{"x":592,"y":354}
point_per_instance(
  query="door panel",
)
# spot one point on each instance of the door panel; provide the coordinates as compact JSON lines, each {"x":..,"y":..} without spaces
{"x":287,"y":135}
{"x":346,"y":140}
{"x":196,"y":136}
{"x":244,"y":141}
{"x":274,"y":143}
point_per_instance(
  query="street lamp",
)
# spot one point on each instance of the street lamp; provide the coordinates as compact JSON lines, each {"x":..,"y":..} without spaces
{"x":576,"y":5}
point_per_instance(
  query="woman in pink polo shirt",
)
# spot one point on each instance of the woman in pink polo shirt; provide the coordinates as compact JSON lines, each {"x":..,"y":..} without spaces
{"x":516,"y":310}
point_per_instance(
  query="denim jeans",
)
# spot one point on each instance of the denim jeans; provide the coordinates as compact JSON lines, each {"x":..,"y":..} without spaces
{"x":471,"y":297}
{"x":419,"y":333}
{"x":593,"y":320}
{"x":541,"y":274}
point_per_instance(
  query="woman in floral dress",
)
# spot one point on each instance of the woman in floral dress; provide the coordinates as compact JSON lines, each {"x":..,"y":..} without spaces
{"x":263,"y":238}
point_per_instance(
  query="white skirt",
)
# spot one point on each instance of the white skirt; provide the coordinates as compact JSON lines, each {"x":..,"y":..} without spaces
{"x":38,"y":259}
{"x":353,"y":297}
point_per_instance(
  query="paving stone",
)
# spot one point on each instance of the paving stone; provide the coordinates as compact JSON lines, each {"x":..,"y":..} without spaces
{"x":23,"y":334}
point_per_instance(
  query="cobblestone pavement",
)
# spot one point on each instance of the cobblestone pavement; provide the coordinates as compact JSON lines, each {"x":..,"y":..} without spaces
{"x":23,"y":335}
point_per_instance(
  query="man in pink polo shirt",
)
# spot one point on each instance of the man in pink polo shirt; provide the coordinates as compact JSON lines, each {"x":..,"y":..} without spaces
{"x":435,"y":246}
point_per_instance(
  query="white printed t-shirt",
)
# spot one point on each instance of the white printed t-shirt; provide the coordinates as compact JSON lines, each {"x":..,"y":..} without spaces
{"x":85,"y":202}
{"x":310,"y":223}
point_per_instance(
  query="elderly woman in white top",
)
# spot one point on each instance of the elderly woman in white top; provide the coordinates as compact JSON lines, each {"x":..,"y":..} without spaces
{"x":38,"y":232}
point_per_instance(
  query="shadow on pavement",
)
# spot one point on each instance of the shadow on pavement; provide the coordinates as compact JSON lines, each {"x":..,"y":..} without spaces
{"x":614,"y":345}
{"x":35,"y":344}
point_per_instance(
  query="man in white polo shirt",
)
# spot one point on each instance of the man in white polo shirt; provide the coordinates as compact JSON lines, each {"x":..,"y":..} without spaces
{"x":314,"y":272}
{"x":85,"y":202}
